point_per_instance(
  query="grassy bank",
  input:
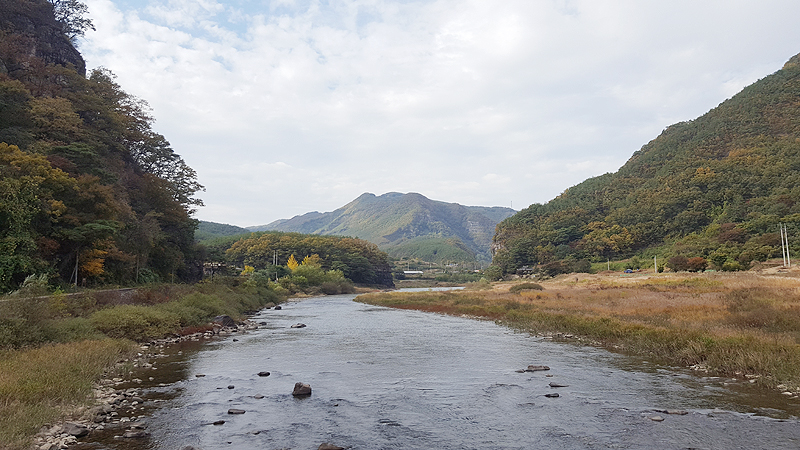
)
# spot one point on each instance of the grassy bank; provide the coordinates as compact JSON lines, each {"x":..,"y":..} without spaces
{"x":45,"y":384}
{"x":729,"y":324}
{"x":53,"y":348}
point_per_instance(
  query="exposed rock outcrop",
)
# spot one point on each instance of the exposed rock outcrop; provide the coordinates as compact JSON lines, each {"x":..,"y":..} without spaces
{"x":29,"y":33}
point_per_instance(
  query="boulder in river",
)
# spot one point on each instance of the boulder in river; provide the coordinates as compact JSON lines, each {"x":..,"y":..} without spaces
{"x":225,"y":321}
{"x":235,"y":411}
{"x":301,"y":389}
{"x":263,"y":374}
{"x":277,"y":306}
{"x":558,"y":385}
{"x":535,"y":368}
{"x":553,"y":395}
{"x":299,"y":325}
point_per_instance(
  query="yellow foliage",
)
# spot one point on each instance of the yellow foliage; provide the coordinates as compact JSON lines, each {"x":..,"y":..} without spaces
{"x":313,"y":261}
{"x":292,"y":263}
{"x":92,"y":262}
{"x":248,"y":270}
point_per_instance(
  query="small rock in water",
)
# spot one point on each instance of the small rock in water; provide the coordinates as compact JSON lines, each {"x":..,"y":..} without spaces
{"x":258,"y":396}
{"x":676,"y":412}
{"x":235,"y":411}
{"x":278,"y":307}
{"x":235,"y":340}
{"x":299,"y":325}
{"x":657,"y":419}
{"x":218,"y":422}
{"x":301,"y":389}
{"x":327,"y":446}
{"x":135,"y":434}
{"x":230,"y":386}
{"x":553,"y":395}
{"x":263,"y":374}
{"x":200,"y":375}
{"x":557,"y":385}
{"x":534,"y":368}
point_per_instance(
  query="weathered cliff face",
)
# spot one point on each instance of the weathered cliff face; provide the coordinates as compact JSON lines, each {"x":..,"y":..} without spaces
{"x":29,"y":32}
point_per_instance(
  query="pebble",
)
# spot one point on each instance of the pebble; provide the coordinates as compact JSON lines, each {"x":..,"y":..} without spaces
{"x":657,"y":419}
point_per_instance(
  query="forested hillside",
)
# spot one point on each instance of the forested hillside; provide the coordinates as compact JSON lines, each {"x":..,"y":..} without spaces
{"x":358,"y":260}
{"x":209,"y":230}
{"x":407,"y":225}
{"x":89,"y":193}
{"x":714,"y":188}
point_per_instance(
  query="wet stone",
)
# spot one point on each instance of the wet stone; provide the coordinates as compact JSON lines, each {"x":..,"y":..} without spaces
{"x":301,"y":389}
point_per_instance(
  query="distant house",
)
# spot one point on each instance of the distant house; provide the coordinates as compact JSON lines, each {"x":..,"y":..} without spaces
{"x":525,"y":270}
{"x":413,"y":272}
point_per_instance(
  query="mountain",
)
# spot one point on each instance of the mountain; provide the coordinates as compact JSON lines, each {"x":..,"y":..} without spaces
{"x":715,"y":188}
{"x":209,"y":230}
{"x":409,"y":225}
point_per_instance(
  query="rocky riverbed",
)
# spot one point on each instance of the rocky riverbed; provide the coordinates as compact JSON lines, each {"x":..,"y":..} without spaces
{"x":121,"y":403}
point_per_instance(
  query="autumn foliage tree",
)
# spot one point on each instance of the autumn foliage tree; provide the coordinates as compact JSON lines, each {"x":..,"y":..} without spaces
{"x":89,"y":193}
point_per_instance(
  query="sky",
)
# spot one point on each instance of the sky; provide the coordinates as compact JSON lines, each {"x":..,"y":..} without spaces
{"x":285,"y":107}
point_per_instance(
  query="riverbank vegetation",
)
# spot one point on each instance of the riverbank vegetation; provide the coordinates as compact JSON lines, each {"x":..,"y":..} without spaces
{"x":53,"y":347}
{"x":736,"y":325}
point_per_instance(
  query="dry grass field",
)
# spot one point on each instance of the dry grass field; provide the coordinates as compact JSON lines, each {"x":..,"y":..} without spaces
{"x":735,"y":324}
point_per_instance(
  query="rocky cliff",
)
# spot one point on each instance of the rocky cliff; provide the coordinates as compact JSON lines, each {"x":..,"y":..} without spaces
{"x":29,"y":35}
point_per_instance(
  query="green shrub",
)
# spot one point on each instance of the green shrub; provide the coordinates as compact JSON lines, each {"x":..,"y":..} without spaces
{"x":139,"y":323}
{"x":517,"y":288}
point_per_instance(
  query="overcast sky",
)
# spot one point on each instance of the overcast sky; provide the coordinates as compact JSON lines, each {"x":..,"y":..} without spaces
{"x":285,"y":107}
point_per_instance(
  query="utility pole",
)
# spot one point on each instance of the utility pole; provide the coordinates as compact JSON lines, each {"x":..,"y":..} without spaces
{"x":655,"y":265}
{"x":787,"y":261}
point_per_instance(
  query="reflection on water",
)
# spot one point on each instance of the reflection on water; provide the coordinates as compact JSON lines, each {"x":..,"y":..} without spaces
{"x":385,"y":379}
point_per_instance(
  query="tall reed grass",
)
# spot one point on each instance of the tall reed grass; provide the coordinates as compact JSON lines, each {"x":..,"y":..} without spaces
{"x":38,"y":386}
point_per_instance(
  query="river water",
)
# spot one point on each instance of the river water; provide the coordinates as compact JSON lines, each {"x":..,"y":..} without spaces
{"x":398,"y":379}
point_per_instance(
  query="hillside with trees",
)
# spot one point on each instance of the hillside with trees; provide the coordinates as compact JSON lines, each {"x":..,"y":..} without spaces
{"x":271,"y":253}
{"x":714,"y":188}
{"x":90,"y":193}
{"x":407,"y":225}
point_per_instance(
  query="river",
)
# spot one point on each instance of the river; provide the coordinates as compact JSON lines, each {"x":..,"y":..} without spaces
{"x":398,"y":379}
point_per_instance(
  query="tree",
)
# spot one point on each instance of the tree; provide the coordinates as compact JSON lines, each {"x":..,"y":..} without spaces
{"x":292,"y":263}
{"x":71,"y":14}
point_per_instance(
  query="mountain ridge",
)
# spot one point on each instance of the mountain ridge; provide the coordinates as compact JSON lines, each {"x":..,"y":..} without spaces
{"x":398,"y":223}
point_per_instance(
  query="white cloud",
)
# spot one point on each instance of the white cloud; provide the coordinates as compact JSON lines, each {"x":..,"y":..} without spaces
{"x":424,"y":96}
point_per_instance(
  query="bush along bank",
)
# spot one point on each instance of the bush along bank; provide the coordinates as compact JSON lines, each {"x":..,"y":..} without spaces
{"x":54,"y":349}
